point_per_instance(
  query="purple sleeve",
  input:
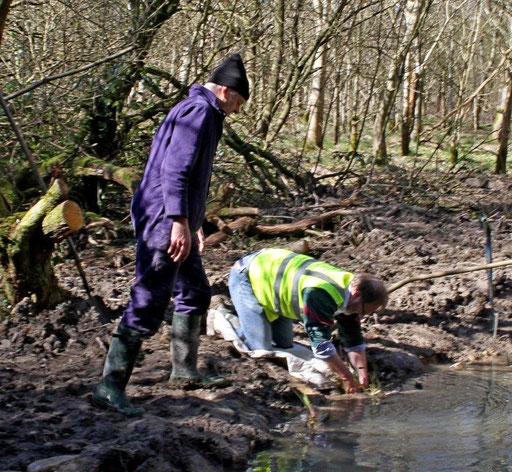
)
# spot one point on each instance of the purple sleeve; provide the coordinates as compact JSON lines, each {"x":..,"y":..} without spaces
{"x":180,"y":157}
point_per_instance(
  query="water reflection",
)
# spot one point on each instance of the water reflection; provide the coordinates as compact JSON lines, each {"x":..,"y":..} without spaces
{"x":458,"y":421}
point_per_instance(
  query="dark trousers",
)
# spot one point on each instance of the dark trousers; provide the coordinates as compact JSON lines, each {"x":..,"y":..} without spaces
{"x":157,"y":278}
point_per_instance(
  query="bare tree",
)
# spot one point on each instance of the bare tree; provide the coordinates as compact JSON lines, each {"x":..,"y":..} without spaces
{"x":276,"y":63}
{"x":118,"y":66}
{"x":467,"y":68}
{"x":410,"y":103}
{"x":504,"y":112}
{"x":415,"y":13}
{"x":316,"y":97}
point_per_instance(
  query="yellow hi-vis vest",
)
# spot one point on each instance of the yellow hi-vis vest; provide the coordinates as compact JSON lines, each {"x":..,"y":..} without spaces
{"x":278,"y":278}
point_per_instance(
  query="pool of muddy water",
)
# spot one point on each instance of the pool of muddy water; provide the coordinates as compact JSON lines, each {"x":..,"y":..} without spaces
{"x":443,"y":421}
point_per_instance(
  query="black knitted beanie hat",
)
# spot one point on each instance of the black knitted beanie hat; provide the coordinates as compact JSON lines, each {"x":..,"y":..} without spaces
{"x":231,"y":73}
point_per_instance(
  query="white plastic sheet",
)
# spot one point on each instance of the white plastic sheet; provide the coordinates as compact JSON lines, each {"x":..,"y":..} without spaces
{"x":300,"y":360}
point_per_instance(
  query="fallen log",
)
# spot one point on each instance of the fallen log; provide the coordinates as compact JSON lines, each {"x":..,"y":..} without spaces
{"x":239,"y":211}
{"x":89,"y":166}
{"x":299,"y":227}
{"x":216,"y":238}
{"x":241,"y":225}
{"x":220,"y":223}
{"x":460,"y":270}
{"x":248,"y":225}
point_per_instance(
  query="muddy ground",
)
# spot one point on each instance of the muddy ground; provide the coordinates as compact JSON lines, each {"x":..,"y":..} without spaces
{"x":51,"y":361}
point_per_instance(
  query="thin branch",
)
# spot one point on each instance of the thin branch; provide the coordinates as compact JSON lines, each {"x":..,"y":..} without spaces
{"x":460,"y":270}
{"x":468,"y":100}
{"x":47,"y":80}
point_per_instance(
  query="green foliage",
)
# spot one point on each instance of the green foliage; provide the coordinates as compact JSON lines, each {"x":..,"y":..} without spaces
{"x":374,"y":387}
{"x":5,"y":307}
{"x":289,"y":460}
{"x":304,"y":399}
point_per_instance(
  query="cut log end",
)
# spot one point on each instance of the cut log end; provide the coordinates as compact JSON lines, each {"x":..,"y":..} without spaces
{"x":73,"y":215}
{"x":63,"y":220}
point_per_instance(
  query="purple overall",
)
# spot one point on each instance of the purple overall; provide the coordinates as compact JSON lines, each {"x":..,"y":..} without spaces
{"x":175,"y":183}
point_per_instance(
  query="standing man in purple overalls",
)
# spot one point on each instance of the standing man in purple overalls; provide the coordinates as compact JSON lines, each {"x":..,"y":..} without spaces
{"x":167,"y":211}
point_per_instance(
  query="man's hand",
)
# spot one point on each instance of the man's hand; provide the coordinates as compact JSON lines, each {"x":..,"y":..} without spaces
{"x":351,"y":387}
{"x":200,"y":240}
{"x":343,"y":372}
{"x":364,"y":378}
{"x":358,"y":361}
{"x":180,"y":240}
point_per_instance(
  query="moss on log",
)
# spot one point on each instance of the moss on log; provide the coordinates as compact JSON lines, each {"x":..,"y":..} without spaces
{"x":35,"y":215}
{"x":90,"y":166}
{"x":9,"y":197}
{"x":25,"y":253}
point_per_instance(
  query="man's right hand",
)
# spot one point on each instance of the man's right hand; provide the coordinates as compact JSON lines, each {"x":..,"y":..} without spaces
{"x":180,"y":240}
{"x":351,"y":387}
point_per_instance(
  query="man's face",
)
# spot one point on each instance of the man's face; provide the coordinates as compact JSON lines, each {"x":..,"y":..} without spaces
{"x":356,"y":305}
{"x":230,"y":101}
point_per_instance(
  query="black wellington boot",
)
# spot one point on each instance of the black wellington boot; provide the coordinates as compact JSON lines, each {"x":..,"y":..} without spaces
{"x":184,"y":346}
{"x":121,"y":357}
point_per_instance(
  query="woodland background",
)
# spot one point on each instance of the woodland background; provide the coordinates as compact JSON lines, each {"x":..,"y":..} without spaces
{"x":340,"y":90}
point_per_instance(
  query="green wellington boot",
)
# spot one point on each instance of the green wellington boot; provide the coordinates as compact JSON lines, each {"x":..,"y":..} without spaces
{"x":121,"y":357}
{"x":184,"y":346}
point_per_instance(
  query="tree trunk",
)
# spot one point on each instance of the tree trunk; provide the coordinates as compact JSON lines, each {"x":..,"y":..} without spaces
{"x":410,"y":94}
{"x":4,"y":10}
{"x":336,"y":129}
{"x":316,"y":99}
{"x":301,"y":69}
{"x":298,"y":228}
{"x":504,"y":130}
{"x":415,"y":14}
{"x":418,"y":110}
{"x":418,"y":93}
{"x":454,"y":148}
{"x":121,"y":77}
{"x":380,"y":153}
{"x":463,"y":81}
{"x":25,"y":249}
{"x":275,"y":68}
{"x":5,"y":208}
{"x":354,"y":133}
{"x":9,"y":196}
{"x":477,"y":111}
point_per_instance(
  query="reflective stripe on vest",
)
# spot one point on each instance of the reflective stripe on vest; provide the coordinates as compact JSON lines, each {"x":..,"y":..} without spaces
{"x":278,"y":278}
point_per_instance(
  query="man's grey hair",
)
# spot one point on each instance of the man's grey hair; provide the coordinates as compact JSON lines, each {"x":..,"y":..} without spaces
{"x":216,"y":88}
{"x":371,"y":288}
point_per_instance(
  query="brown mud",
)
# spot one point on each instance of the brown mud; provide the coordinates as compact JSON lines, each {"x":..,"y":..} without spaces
{"x":50,"y":362}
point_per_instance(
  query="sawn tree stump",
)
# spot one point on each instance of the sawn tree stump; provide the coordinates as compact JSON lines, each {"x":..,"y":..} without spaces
{"x":26,"y":245}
